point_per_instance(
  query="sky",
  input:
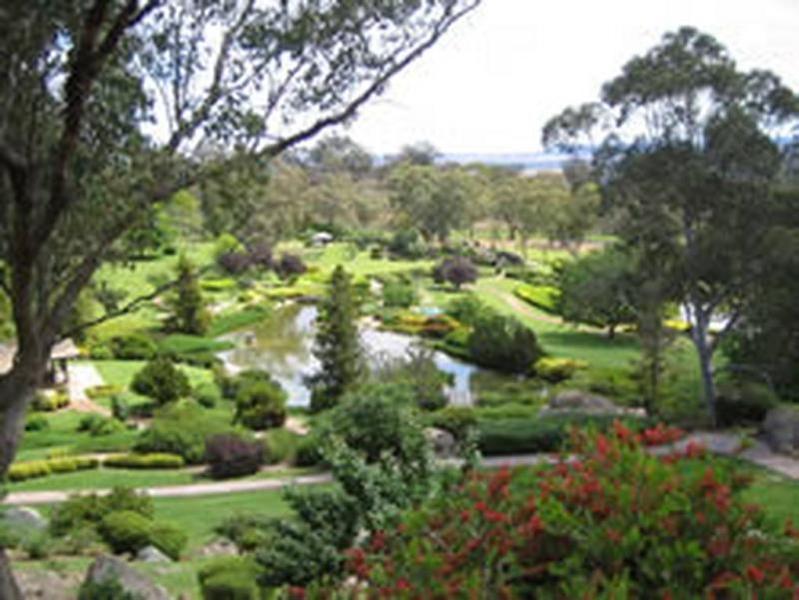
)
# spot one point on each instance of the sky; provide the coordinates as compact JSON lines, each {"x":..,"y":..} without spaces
{"x":491,"y":84}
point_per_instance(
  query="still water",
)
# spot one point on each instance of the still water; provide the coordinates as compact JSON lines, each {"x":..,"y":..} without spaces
{"x":283,"y":344}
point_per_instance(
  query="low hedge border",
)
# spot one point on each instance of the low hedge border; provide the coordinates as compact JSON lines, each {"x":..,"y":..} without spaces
{"x":32,"y":469}
{"x":144,"y":461}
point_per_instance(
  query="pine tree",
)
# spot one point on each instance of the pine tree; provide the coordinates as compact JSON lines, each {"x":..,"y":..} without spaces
{"x":337,"y":344}
{"x":188,"y":307}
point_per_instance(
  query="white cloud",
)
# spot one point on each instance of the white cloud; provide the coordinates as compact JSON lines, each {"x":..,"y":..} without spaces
{"x":495,"y":80}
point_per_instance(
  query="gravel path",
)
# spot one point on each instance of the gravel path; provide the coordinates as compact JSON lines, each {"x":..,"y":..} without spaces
{"x":81,"y":377}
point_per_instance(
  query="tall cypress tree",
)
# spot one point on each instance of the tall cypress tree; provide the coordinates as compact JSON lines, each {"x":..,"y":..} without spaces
{"x":189,"y":314}
{"x":337,"y":344}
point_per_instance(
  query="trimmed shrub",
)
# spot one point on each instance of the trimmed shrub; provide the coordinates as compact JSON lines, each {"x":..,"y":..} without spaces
{"x":544,"y":297}
{"x":457,"y":420}
{"x":99,"y":425}
{"x":181,"y":429}
{"x":168,"y":539}
{"x":504,"y":344}
{"x":160,"y":380}
{"x":50,"y":402}
{"x":468,"y":310}
{"x":82,"y":511}
{"x":28,"y":470}
{"x":398,"y":294}
{"x":125,"y":531}
{"x":743,"y":403}
{"x":132,"y":346}
{"x":207,"y":395}
{"x":281,"y":445}
{"x":144,"y":461}
{"x":230,"y":578}
{"x":107,"y":589}
{"x":260,"y":404}
{"x":229,"y":455}
{"x":37,"y":423}
{"x":120,"y":409}
{"x":456,"y":270}
{"x":102,"y":391}
{"x":308,"y":452}
{"x":556,"y":370}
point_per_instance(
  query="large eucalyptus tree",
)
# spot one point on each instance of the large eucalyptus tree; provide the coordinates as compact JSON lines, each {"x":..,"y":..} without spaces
{"x":687,"y":149}
{"x":108,"y":106}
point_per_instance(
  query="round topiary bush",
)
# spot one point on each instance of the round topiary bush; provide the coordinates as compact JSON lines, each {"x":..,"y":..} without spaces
{"x":168,"y":539}
{"x":261,"y":404}
{"x":229,"y":578}
{"x":161,"y":381}
{"x":126,"y":531}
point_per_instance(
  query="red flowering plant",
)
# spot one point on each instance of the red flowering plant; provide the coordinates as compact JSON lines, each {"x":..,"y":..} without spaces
{"x":610,"y":520}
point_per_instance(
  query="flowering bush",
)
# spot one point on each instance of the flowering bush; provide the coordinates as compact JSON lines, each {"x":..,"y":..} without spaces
{"x":616,"y":522}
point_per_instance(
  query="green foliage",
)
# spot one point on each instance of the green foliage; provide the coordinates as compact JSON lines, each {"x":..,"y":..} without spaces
{"x":398,"y":294}
{"x":260,"y":404}
{"x":418,"y":371}
{"x":230,"y":578}
{"x":132,"y":346}
{"x":107,"y":589}
{"x":161,"y":381}
{"x":456,"y":270}
{"x":169,"y":539}
{"x":556,"y":370}
{"x":281,"y":445}
{"x":99,"y":425}
{"x":406,"y":243}
{"x":544,"y":297}
{"x":144,"y":461}
{"x":467,"y":309}
{"x":458,"y":420}
{"x":189,"y":314}
{"x":226,"y":243}
{"x":742,"y":402}
{"x":504,"y":344}
{"x":226,"y":322}
{"x":181,"y":429}
{"x":337,"y":346}
{"x":599,"y":289}
{"x":37,"y":423}
{"x":50,"y":402}
{"x":207,"y":395}
{"x":82,"y":511}
{"x":125,"y":531}
{"x":22,"y":471}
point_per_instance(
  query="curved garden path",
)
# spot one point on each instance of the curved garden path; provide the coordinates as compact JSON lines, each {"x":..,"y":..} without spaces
{"x":724,"y":444}
{"x":83,"y":376}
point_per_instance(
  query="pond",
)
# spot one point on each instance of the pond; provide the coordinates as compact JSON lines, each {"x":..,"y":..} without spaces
{"x":283,"y":344}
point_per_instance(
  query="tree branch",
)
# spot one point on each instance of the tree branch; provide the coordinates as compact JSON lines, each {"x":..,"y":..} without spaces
{"x":375,"y":88}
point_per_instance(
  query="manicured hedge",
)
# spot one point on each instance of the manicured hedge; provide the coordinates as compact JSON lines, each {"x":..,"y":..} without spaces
{"x":230,"y":578}
{"x":145,"y":461}
{"x":50,"y":402}
{"x":22,"y":471}
{"x":556,"y":370}
{"x":544,"y":297}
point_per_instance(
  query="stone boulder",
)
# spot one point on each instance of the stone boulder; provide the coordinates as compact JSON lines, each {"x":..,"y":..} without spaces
{"x":577,"y":401}
{"x":442,"y":442}
{"x":47,"y":585}
{"x":23,"y":519}
{"x":151,"y":554}
{"x":110,"y":567}
{"x":219,"y":547}
{"x":781,"y":429}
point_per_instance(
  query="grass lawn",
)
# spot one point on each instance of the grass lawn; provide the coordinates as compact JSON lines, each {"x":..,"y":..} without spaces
{"x":121,"y":372}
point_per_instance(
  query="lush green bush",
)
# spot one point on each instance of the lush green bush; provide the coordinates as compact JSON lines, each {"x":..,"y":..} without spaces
{"x":50,"y":402}
{"x":132,"y":346}
{"x":120,"y":408}
{"x":229,"y":455}
{"x":467,"y":310}
{"x":107,"y":589}
{"x":99,"y":425}
{"x":504,"y":344}
{"x":169,"y":539}
{"x":103,"y":391}
{"x":308,"y":452}
{"x":88,"y":510}
{"x":125,"y":531}
{"x":260,"y":404}
{"x":556,"y":370}
{"x":181,"y":429}
{"x":144,"y":461}
{"x":160,"y":380}
{"x":407,"y":243}
{"x":743,"y":403}
{"x":207,"y":395}
{"x":398,"y":294}
{"x":457,"y":420}
{"x":617,"y":523}
{"x":544,"y":297}
{"x":281,"y":445}
{"x":230,"y":578}
{"x":37,"y":423}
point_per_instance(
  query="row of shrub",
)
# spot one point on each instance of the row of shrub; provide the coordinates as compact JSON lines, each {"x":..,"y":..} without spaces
{"x":144,"y":461}
{"x":22,"y":471}
{"x":544,"y":297}
{"x":50,"y":402}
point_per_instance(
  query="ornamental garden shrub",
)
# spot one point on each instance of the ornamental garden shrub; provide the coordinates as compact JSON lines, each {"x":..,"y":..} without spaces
{"x":144,"y":461}
{"x":555,"y":370}
{"x":456,"y":270}
{"x":37,"y":423}
{"x":125,"y":531}
{"x":50,"y":402}
{"x":504,"y":344}
{"x":88,"y":510}
{"x":160,"y":380}
{"x":132,"y":346}
{"x":98,"y":425}
{"x":229,"y":455}
{"x":398,"y":294}
{"x":230,"y":578}
{"x":260,"y":404}
{"x":616,"y":522}
{"x":742,"y":402}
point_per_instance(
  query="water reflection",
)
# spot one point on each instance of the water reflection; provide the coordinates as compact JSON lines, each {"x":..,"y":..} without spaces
{"x":283,"y":346}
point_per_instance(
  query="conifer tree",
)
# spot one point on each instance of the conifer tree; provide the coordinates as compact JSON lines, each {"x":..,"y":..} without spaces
{"x":189,"y":314}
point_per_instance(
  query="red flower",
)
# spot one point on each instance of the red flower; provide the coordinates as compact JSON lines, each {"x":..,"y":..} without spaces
{"x":296,"y":593}
{"x":403,"y":585}
{"x":755,"y":574}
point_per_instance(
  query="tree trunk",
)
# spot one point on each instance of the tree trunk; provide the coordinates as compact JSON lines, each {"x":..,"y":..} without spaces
{"x":612,"y":331}
{"x":705,"y":352}
{"x":17,"y":388}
